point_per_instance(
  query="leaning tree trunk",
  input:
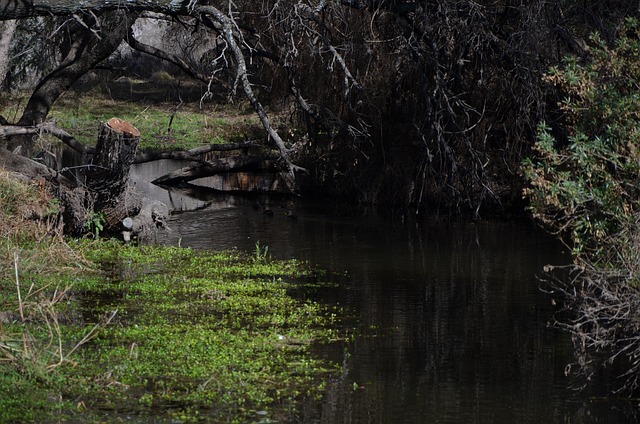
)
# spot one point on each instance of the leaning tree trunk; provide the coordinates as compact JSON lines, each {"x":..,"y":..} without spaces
{"x":108,"y":174}
{"x":89,"y":52}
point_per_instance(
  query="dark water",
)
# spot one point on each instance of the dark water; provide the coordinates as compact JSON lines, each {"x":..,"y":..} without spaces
{"x":457,"y":328}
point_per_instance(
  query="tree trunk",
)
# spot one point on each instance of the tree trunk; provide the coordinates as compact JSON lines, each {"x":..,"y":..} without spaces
{"x":108,"y":175}
{"x":7,"y":29}
{"x":62,"y":78}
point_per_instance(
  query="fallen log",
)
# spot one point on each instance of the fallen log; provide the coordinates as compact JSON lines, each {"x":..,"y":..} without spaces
{"x":219,"y":166}
{"x":193,"y":153}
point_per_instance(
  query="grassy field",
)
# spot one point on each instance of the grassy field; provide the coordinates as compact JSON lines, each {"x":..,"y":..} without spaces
{"x":169,"y":117}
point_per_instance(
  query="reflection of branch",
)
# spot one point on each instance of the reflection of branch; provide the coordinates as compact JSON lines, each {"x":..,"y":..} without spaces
{"x":603,"y":322}
{"x":215,"y":167}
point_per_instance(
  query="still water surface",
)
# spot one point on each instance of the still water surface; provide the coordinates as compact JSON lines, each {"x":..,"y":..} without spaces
{"x":457,"y":326}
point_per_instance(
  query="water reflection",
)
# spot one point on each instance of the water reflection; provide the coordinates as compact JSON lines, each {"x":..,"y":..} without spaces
{"x":458,"y":327}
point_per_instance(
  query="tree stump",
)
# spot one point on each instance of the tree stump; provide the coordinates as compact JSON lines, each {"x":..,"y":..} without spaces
{"x":108,"y":174}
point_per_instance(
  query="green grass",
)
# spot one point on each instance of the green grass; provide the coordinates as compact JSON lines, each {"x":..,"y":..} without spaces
{"x":164,"y":125}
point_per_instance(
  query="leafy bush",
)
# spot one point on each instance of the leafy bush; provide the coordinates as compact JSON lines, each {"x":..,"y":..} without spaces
{"x":585,"y":186}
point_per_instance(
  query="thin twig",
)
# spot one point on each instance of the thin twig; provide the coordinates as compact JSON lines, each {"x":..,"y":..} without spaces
{"x":15,"y":266}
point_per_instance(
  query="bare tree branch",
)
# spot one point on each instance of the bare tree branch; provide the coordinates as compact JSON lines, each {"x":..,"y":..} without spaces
{"x":49,"y":128}
{"x":241,"y":71}
{"x":184,"y":66}
{"x":21,"y":9}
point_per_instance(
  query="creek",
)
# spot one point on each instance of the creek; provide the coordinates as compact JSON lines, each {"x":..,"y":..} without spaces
{"x":456,"y":327}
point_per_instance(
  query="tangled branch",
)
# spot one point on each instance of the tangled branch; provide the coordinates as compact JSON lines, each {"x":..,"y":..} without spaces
{"x":601,"y":311}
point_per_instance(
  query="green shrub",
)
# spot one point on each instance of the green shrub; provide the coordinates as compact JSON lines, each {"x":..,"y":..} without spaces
{"x":585,"y":186}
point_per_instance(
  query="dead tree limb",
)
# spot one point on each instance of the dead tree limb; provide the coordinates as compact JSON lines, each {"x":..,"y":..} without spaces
{"x":220,"y":166}
{"x":184,"y":66}
{"x":48,"y":128}
{"x":289,"y":172}
{"x":195,"y":152}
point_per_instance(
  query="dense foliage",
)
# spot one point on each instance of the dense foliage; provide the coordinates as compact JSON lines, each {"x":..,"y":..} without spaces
{"x":584,"y":186}
{"x":584,"y":179}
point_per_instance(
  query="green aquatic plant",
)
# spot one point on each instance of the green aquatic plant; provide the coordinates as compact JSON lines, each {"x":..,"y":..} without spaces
{"x":92,"y":325}
{"x":261,"y":252}
{"x":199,"y":336}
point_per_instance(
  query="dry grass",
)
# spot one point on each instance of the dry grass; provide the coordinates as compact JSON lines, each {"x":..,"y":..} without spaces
{"x":27,"y":209}
{"x":31,"y":229}
{"x":37,"y":268}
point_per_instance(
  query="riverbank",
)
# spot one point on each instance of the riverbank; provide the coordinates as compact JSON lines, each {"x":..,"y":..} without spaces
{"x":94,"y":330}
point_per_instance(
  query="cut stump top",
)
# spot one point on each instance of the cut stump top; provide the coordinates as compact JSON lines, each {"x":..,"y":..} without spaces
{"x":122,"y":126}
